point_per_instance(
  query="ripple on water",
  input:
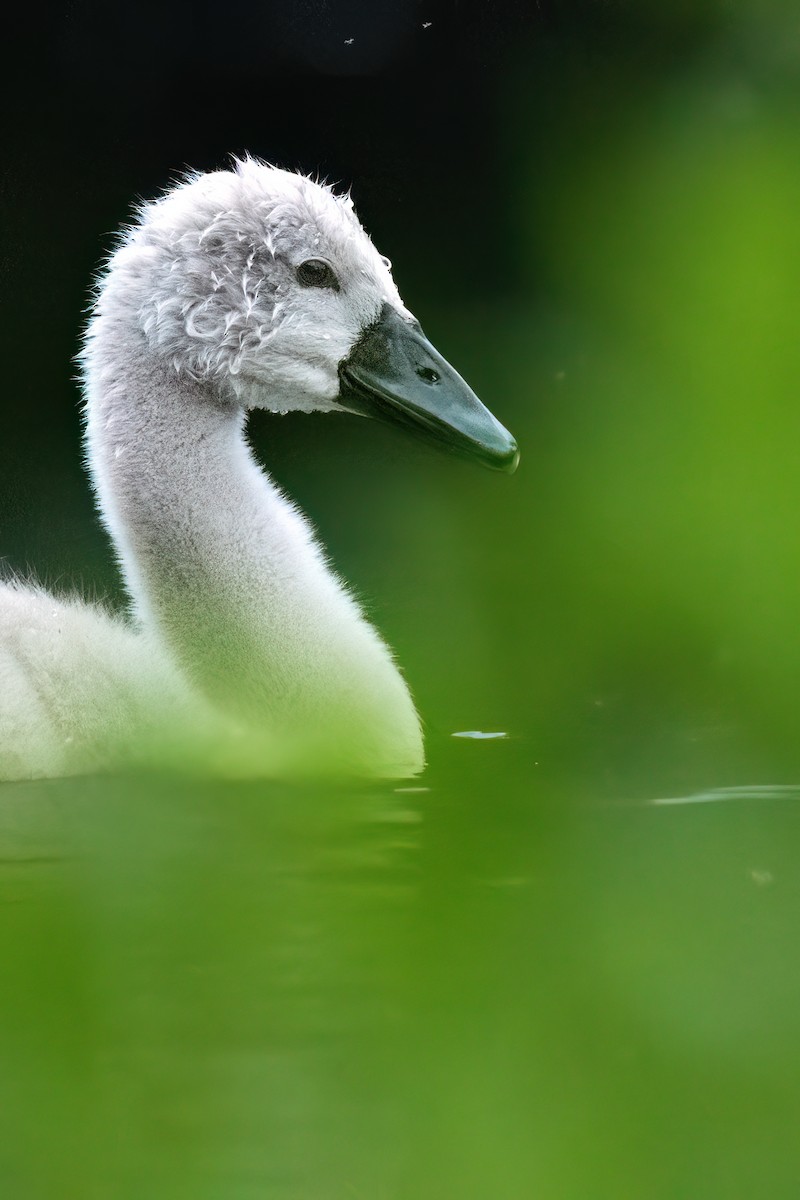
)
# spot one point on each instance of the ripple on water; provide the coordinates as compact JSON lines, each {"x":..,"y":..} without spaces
{"x":479,"y":734}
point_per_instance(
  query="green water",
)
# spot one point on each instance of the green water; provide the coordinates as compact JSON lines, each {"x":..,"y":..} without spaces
{"x":523,"y":978}
{"x":483,"y":989}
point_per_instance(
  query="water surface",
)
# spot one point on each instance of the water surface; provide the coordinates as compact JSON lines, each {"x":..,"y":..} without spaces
{"x":492,"y":987}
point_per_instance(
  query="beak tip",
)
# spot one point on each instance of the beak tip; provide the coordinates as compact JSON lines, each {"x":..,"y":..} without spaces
{"x":505,"y":457}
{"x":511,"y":459}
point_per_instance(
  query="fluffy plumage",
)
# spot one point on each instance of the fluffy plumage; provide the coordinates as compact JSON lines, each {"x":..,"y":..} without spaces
{"x":242,"y":651}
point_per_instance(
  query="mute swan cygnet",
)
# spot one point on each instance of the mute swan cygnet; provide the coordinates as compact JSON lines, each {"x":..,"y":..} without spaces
{"x":243,"y":653}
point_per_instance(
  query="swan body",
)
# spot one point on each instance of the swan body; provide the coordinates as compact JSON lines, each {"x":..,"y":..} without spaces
{"x":242,"y":652}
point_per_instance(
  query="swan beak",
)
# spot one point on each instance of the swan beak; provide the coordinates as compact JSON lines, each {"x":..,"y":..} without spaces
{"x":393,"y":372}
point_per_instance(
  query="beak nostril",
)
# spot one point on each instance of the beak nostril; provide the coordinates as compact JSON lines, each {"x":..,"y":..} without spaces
{"x":428,"y":374}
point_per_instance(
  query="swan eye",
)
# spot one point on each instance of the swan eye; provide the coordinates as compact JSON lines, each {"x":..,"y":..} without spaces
{"x":314,"y":272}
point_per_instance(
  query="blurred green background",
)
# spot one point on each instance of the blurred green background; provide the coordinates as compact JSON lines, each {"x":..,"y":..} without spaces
{"x":525,"y":979}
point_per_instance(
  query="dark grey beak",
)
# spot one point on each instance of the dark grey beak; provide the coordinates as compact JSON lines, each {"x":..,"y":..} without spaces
{"x":393,"y":372}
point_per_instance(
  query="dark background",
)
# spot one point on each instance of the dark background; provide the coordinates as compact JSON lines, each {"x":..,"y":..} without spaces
{"x":429,"y":126}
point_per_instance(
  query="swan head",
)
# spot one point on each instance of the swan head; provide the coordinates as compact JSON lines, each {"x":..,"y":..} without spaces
{"x":264,"y":284}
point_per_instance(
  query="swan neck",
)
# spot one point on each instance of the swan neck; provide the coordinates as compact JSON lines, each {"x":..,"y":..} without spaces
{"x":227,"y":575}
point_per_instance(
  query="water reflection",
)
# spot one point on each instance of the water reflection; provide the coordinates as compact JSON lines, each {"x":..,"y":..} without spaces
{"x":205,"y":980}
{"x":259,"y":991}
{"x":724,"y":795}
